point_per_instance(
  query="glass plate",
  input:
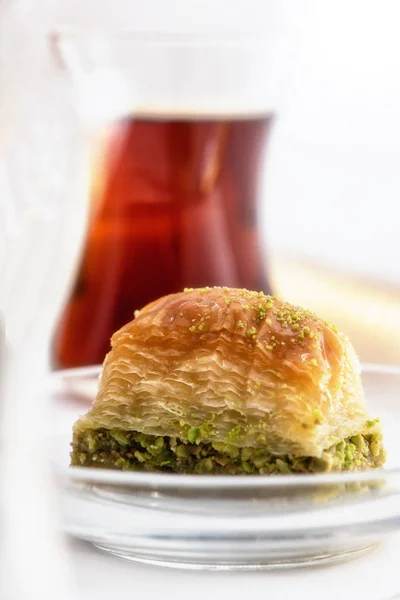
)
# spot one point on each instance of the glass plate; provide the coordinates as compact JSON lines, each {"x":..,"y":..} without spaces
{"x":228,"y":522}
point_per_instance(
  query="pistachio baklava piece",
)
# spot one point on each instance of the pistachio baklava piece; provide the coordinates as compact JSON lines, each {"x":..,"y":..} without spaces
{"x":228,"y":381}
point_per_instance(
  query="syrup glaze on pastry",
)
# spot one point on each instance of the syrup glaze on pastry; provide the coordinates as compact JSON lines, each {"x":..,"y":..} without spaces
{"x":222,"y":380}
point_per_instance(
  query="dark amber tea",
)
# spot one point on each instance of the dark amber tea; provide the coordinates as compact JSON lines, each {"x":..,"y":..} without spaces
{"x":174,"y":204}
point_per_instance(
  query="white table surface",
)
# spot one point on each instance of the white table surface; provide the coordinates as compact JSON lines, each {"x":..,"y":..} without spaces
{"x":374,"y":576}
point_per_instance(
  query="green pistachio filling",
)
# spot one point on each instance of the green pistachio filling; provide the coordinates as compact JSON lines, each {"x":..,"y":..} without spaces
{"x":134,"y":451}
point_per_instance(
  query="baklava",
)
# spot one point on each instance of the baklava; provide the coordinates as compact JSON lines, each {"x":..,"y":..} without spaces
{"x":228,"y":381}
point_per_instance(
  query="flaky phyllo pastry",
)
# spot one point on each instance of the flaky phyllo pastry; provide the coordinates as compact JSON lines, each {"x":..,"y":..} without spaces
{"x":219,"y":380}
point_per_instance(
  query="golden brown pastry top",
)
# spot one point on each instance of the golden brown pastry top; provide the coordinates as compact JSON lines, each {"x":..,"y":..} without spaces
{"x":239,"y":367}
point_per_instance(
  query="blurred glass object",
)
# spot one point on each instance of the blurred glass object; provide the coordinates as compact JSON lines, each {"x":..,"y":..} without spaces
{"x":175,"y":194}
{"x":43,"y":181}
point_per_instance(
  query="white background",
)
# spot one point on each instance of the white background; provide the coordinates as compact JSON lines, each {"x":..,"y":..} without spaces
{"x":333,"y":172}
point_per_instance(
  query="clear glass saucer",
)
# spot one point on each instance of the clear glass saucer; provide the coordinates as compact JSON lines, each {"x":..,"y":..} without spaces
{"x":228,"y":522}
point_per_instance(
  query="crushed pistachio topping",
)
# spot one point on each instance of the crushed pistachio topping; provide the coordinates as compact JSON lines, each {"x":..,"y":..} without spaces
{"x":252,"y":333}
{"x":235,"y":434}
{"x":193,"y":434}
{"x":304,"y":332}
{"x":303,"y":324}
{"x":135,"y":451}
{"x":317,"y":416}
{"x":261,"y":313}
{"x":331,"y":326}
